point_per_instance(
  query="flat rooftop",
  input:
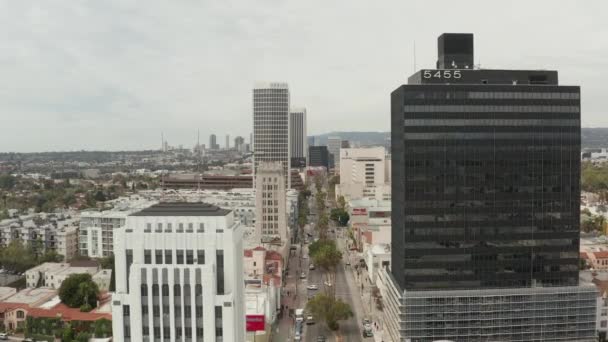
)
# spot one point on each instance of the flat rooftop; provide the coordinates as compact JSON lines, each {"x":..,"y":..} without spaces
{"x":182,"y":209}
{"x":32,"y":296}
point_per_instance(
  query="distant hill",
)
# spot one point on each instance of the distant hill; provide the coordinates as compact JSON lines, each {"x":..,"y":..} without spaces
{"x":590,"y":138}
{"x":594,"y":137}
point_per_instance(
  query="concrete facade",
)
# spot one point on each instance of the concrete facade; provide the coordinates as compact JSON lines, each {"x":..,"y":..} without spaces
{"x":179,"y":274}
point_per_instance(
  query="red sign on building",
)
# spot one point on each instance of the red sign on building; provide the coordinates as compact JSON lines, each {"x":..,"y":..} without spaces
{"x":255,"y":322}
{"x":359,"y":211}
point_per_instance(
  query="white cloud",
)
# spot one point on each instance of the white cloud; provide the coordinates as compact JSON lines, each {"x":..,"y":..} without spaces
{"x":114,"y":74}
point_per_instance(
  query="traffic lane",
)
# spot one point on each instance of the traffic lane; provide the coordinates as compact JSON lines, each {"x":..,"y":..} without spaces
{"x":347,"y":284}
{"x":314,"y":330}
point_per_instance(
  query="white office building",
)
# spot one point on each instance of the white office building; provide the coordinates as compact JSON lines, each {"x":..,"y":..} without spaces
{"x":96,"y":236}
{"x":271,"y":126}
{"x":297,"y":133}
{"x":179,"y":275}
{"x":363,"y":174}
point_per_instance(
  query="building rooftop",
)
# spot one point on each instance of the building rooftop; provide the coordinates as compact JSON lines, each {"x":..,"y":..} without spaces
{"x":32,"y":296}
{"x":6,"y":292}
{"x":182,"y":209}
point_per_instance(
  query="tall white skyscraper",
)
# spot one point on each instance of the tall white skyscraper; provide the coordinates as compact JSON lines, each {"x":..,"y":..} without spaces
{"x":297,"y":133}
{"x":270,"y":201}
{"x":179,"y":275}
{"x":271,"y":126}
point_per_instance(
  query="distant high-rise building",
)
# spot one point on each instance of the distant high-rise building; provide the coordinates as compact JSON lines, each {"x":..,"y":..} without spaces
{"x":345,"y":144}
{"x":271,"y":126}
{"x":213,"y":142}
{"x":227,"y":141}
{"x":318,"y":156}
{"x":333,"y":147}
{"x":239,"y":144}
{"x":179,"y":275}
{"x":297,"y":136}
{"x":311,"y":140}
{"x":270,"y":201}
{"x":486,"y":200}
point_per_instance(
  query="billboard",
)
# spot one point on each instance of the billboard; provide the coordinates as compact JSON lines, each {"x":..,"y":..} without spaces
{"x":255,"y":322}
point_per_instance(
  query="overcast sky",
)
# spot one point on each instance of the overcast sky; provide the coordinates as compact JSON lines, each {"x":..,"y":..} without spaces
{"x":114,"y":74}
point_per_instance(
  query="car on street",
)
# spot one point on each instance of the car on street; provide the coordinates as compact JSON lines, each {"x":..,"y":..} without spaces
{"x":311,"y":267}
{"x":28,"y":340}
{"x":310,"y":320}
{"x":347,"y":263}
{"x":366,"y":322}
{"x":312,"y":287}
{"x":327,"y":283}
{"x":367,"y":332}
{"x":321,"y":338}
{"x":3,"y":336}
{"x":303,"y":275}
{"x":304,"y":256}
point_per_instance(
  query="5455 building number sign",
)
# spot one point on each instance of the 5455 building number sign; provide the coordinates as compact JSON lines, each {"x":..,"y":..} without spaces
{"x":442,"y":74}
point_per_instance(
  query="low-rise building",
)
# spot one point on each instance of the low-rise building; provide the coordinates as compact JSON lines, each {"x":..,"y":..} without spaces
{"x":42,"y":232}
{"x":51,"y":275}
{"x":67,"y":242}
{"x":96,"y":236}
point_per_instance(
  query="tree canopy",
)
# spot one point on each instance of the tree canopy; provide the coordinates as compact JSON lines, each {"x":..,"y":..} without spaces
{"x":79,"y":291}
{"x":340,"y":216}
{"x":329,"y":309}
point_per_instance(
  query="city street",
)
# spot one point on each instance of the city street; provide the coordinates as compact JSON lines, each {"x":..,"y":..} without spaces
{"x":296,"y":294}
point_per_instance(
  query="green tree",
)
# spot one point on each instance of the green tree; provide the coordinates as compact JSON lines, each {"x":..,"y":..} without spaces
{"x":103,"y":328}
{"x":79,"y":290}
{"x":15,"y":257}
{"x":341,"y":202}
{"x":108,"y":264}
{"x":329,"y":309}
{"x":67,"y":334}
{"x":83,"y":337}
{"x":100,"y":196}
{"x":7,"y":182}
{"x":50,"y":256}
{"x":340,"y":216}
{"x":327,"y":257}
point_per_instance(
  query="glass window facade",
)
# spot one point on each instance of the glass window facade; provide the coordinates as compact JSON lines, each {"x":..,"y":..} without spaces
{"x":485,"y":185}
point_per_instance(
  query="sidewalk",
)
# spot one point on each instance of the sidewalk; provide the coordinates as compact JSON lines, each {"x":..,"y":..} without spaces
{"x":369,"y":305}
{"x":285,"y":324}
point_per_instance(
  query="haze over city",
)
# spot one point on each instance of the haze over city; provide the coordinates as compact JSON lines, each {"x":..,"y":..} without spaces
{"x":113,"y":75}
{"x":307,"y":171}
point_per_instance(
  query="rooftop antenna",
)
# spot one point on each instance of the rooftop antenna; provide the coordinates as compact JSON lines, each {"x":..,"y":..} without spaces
{"x":162,"y":142}
{"x":198,"y":151}
{"x":414,"y":56}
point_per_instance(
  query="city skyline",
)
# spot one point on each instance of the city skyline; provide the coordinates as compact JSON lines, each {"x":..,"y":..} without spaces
{"x":127,"y":81}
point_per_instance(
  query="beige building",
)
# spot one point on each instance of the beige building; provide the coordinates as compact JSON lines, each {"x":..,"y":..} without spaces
{"x":271,"y":216}
{"x":67,"y":242}
{"x":52,"y":274}
{"x":364,"y":174}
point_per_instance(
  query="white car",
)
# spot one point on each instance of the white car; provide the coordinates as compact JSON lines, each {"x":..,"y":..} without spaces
{"x":311,"y":267}
{"x":327,"y":283}
{"x":3,"y":336}
{"x":303,"y":275}
{"x":312,"y":287}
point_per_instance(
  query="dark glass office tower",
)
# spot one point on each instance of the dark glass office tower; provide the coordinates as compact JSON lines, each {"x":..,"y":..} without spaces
{"x":485,"y":176}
